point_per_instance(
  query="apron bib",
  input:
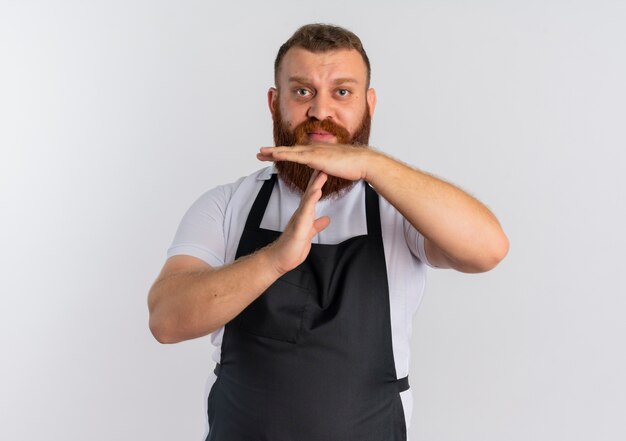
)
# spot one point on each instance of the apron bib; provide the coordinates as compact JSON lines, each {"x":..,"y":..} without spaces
{"x":311,"y":359}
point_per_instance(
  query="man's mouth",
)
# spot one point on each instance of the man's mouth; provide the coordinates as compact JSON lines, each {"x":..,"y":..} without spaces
{"x":321,"y":135}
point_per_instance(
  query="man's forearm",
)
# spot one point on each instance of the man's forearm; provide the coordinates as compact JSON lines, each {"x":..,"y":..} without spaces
{"x":193,"y":301}
{"x":190,"y":304}
{"x":462,"y":227}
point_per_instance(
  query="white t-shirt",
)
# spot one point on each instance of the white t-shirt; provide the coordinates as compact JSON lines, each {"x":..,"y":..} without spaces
{"x":212,"y":227}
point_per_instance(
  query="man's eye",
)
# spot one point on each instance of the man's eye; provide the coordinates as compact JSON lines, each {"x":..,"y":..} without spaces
{"x":302,"y":92}
{"x":343,"y":92}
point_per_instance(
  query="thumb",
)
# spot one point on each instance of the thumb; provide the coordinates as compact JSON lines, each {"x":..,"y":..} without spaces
{"x":320,"y":224}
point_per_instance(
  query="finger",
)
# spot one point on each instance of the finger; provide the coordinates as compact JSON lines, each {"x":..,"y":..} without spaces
{"x":317,"y":181}
{"x":276,"y":155}
{"x":312,"y":178}
{"x":313,"y":193}
{"x":303,"y":220}
{"x":290,"y":155}
{"x":282,"y":148}
{"x":293,"y":151}
{"x":320,"y":224}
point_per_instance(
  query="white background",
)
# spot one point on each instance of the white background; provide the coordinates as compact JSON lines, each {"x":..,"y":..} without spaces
{"x":116,"y":115}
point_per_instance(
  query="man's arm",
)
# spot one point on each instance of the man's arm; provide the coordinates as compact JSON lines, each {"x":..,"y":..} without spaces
{"x":460,"y":232}
{"x":190,"y":299}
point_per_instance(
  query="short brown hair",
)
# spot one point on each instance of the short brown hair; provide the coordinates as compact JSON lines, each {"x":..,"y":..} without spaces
{"x":320,"y":37}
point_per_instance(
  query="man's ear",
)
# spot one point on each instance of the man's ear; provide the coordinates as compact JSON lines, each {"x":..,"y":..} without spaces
{"x":371,"y":100}
{"x":272,"y":99}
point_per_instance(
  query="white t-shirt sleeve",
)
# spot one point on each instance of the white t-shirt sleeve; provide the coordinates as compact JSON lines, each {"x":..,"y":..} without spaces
{"x":415,"y":241}
{"x":201,"y":231}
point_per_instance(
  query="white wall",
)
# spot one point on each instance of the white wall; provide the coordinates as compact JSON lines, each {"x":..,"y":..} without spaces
{"x":116,"y":115}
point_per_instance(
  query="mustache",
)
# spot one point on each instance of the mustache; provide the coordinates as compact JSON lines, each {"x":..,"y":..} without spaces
{"x":310,"y":125}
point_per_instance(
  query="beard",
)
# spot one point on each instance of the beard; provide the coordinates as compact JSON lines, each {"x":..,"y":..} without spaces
{"x":297,"y":176}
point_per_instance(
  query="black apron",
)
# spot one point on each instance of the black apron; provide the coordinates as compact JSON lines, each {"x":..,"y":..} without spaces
{"x":311,"y":359}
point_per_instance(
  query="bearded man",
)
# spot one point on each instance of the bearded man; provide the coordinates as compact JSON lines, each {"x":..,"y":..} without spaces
{"x":307,"y":273}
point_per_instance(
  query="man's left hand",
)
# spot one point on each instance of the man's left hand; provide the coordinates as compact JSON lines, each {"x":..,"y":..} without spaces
{"x":342,"y":161}
{"x":460,"y":232}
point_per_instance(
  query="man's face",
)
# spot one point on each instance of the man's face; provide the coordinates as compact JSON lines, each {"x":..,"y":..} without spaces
{"x":320,"y":98}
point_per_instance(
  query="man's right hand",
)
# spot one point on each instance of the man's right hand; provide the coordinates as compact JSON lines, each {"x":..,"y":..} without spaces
{"x":190,"y":299}
{"x":294,"y":244}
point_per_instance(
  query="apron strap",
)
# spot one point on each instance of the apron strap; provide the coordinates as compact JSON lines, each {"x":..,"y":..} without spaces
{"x":372,"y":211}
{"x":260,"y":203}
{"x":403,"y":384}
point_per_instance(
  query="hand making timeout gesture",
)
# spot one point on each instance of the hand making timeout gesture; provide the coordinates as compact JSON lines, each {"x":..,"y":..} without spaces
{"x":294,"y":244}
{"x":460,"y":232}
{"x":343,"y":161}
{"x":190,"y":298}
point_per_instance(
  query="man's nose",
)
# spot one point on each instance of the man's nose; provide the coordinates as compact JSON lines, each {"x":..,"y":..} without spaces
{"x":321,"y":108}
